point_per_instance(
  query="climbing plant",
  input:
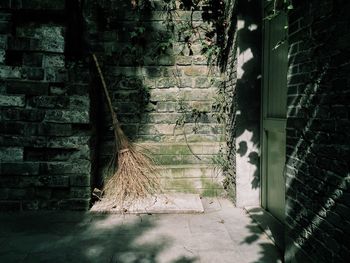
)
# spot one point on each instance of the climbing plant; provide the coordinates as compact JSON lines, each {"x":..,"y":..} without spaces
{"x":204,"y":28}
{"x":278,"y":7}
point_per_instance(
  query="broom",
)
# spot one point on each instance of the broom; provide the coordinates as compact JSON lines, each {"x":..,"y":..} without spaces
{"x":134,"y":174}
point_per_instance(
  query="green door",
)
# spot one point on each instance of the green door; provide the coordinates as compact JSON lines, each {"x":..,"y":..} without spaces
{"x":274,"y":111}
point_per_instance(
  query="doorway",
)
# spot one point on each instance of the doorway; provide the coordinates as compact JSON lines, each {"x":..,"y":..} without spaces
{"x":274,"y":110}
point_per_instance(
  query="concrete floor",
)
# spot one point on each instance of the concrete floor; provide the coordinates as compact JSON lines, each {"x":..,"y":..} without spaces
{"x":222,"y":234}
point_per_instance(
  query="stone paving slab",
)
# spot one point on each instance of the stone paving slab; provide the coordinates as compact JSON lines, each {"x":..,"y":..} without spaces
{"x":170,"y":203}
{"x":221,"y":234}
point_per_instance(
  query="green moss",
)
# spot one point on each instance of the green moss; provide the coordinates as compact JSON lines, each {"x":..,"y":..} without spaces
{"x":182,"y":185}
{"x":177,"y":149}
{"x":211,"y":188}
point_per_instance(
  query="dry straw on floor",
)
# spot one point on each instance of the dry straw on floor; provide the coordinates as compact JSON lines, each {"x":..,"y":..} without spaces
{"x":134,"y":174}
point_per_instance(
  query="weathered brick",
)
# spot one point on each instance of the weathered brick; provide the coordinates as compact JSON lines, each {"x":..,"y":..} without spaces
{"x":80,"y":192}
{"x":50,"y":102}
{"x":33,"y":59}
{"x":43,"y":4}
{"x":9,"y":140}
{"x":7,"y":72}
{"x":166,"y":83}
{"x":10,"y":206}
{"x":62,"y":116}
{"x":58,"y":75}
{"x":72,"y":142}
{"x":13,"y":128}
{"x":16,"y":114}
{"x":34,"y":73}
{"x":183,"y":60}
{"x":27,"y":87}
{"x":75,"y":204}
{"x":5,"y":27}
{"x":54,"y":61}
{"x":48,"y":38}
{"x":3,"y":42}
{"x":157,"y":129}
{"x":23,"y":43}
{"x":77,"y":167}
{"x":160,"y":95}
{"x":19,"y":168}
{"x":20,"y":194}
{"x":195,"y":71}
{"x":9,"y":154}
{"x":53,"y":181}
{"x":80,"y":180}
{"x":54,"y":129}
{"x":166,"y":106}
{"x":12,"y":101}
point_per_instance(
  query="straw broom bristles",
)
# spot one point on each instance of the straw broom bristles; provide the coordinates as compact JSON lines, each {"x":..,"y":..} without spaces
{"x":134,"y":174}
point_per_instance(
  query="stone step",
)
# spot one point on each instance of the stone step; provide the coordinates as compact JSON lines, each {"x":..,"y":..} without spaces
{"x":189,"y":171}
{"x":161,"y":148}
{"x":203,"y":186}
{"x":205,"y":180}
{"x":176,"y":153}
{"x":182,"y":172}
{"x":169,"y":148}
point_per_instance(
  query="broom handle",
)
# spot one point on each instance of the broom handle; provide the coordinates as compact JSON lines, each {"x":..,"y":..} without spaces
{"x":114,"y":115}
{"x":105,"y":89}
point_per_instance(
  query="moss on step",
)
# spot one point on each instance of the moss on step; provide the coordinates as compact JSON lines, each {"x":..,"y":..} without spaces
{"x":211,"y":188}
{"x":181,"y":185}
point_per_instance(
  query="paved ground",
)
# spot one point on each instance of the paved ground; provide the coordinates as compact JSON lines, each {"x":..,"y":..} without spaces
{"x":222,"y":234}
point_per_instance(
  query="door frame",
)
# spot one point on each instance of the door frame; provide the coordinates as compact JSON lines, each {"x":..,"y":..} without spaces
{"x":266,"y":123}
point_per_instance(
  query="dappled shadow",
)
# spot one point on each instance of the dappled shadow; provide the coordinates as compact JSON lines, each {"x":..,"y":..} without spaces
{"x":133,"y":48}
{"x":78,"y":237}
{"x":269,"y":252}
{"x":243,"y":44}
{"x":249,"y":82}
{"x":317,"y":166}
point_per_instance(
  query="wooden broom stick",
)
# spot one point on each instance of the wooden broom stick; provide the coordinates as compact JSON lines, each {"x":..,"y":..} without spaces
{"x":118,"y":133}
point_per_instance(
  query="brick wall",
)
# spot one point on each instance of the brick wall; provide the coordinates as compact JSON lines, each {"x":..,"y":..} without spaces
{"x":45,"y":130}
{"x":155,"y":80}
{"x":241,"y":60}
{"x":317,"y":169}
{"x":55,"y":129}
{"x":228,"y":65}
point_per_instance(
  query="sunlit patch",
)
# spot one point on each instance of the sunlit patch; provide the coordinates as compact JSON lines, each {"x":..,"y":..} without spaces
{"x":246,"y":168}
{"x":240,"y":24}
{"x":253,"y":27}
{"x":113,"y":221}
{"x":95,"y":251}
{"x":243,"y":58}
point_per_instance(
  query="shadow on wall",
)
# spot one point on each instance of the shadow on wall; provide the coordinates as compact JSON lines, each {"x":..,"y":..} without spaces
{"x":268,"y":250}
{"x":317,"y":185}
{"x":78,"y":237}
{"x":240,"y":59}
{"x":249,"y":84}
{"x":317,"y":166}
{"x":130,"y":45}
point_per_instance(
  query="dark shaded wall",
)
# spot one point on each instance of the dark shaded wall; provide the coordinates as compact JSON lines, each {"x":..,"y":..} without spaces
{"x":45,"y":128}
{"x":318,"y":151}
